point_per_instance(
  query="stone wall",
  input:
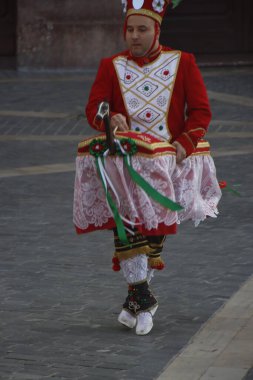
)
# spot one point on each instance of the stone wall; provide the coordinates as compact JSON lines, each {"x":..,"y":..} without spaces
{"x":68,"y":33}
{"x":76,"y":34}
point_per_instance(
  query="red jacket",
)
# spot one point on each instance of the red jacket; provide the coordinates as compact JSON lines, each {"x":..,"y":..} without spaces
{"x":189,"y":113}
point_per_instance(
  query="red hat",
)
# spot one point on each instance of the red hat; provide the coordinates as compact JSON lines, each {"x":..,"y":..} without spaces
{"x":150,"y":8}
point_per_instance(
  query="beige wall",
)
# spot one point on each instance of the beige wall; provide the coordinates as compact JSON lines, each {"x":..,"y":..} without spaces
{"x":68,"y":33}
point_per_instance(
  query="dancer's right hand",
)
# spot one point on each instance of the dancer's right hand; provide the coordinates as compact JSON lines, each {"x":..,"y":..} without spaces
{"x":119,"y":121}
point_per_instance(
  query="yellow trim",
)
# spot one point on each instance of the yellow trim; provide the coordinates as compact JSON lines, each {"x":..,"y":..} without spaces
{"x":154,"y":245}
{"x":145,"y":12}
{"x":146,"y":155}
{"x":203,"y":144}
{"x":133,"y":252}
{"x":148,"y":146}
{"x":178,"y":57}
{"x":201,"y":154}
{"x":134,"y":245}
{"x":120,"y":85}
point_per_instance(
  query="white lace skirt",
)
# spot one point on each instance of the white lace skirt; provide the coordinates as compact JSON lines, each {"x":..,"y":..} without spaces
{"x":91,"y":210}
{"x":196,"y":188}
{"x":193,"y":184}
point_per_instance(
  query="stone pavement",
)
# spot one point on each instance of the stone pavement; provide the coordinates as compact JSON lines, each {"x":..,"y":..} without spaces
{"x":59,"y":297}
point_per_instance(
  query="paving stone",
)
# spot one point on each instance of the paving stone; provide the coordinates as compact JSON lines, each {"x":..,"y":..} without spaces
{"x":249,"y":375}
{"x":224,"y":373}
{"x":59,"y":297}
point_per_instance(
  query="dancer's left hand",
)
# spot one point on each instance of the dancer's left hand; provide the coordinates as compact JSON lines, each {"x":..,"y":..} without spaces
{"x":181,"y":153}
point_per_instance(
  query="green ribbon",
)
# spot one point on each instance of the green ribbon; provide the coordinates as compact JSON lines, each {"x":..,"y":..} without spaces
{"x":231,"y":190}
{"x":118,"y":221}
{"x":158,"y":197}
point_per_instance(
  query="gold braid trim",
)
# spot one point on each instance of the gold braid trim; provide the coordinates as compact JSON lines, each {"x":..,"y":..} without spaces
{"x":139,"y":154}
{"x":155,"y":245}
{"x":203,"y":144}
{"x":145,"y":250}
{"x":200,"y":154}
{"x":145,"y":12}
{"x":154,"y":255}
{"x":139,"y":142}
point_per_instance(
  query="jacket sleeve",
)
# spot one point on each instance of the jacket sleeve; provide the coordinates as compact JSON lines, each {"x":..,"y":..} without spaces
{"x":101,"y":91}
{"x":198,"y":113}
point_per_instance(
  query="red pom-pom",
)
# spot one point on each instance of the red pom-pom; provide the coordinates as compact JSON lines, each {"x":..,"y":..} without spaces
{"x":159,"y":267}
{"x":116,"y":268}
{"x":222,"y":184}
{"x":116,"y":264}
{"x":156,"y":263}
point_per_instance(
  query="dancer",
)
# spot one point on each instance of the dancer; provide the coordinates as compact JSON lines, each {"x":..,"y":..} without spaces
{"x":154,"y":91}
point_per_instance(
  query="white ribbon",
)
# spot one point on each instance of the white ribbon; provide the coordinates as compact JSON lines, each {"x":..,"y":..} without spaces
{"x":107,"y":181}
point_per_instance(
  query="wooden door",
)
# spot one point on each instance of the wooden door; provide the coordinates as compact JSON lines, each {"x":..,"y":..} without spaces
{"x":210,"y":26}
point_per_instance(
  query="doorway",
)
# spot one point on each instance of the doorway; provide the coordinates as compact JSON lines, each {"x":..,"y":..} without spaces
{"x":8,"y":35}
{"x":211,"y":28}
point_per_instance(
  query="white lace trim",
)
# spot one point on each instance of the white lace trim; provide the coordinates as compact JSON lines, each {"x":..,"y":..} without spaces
{"x":193,"y":184}
{"x":196,"y":188}
{"x":90,"y":207}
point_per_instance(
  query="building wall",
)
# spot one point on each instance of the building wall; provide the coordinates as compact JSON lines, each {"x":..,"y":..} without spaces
{"x":67,"y":33}
{"x":78,"y":33}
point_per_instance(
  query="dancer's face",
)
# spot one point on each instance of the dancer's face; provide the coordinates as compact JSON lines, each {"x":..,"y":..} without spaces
{"x":140,"y":33}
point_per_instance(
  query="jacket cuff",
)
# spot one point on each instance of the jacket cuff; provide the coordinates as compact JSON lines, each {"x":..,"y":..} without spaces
{"x":186,"y":143}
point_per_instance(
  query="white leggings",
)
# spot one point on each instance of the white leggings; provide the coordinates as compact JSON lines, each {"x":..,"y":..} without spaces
{"x":135,"y":269}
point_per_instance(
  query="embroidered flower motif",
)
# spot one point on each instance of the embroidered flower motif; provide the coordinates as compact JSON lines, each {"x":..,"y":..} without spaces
{"x":98,"y":147}
{"x":129,"y":77}
{"x":147,"y":88}
{"x":158,"y":5}
{"x":134,"y":103}
{"x":161,"y":100}
{"x":124,"y":3}
{"x":128,"y":145}
{"x":148,"y":115}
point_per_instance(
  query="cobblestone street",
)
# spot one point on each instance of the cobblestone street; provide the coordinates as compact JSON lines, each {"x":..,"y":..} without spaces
{"x":59,"y":297}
